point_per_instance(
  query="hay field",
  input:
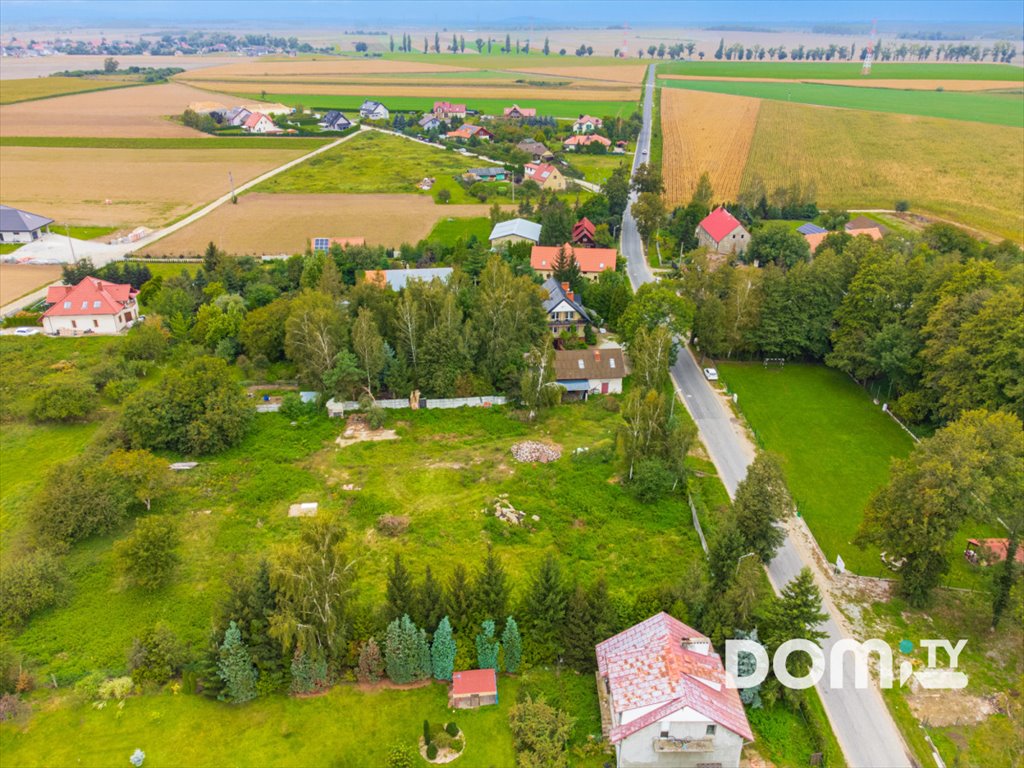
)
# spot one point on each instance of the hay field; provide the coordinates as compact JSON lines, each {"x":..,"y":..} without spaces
{"x":144,"y":186}
{"x":903,"y":85}
{"x":12,"y":91}
{"x":284,"y":223}
{"x":705,"y":132}
{"x":41,"y":66}
{"x":16,"y":280}
{"x":967,"y":172}
{"x":140,"y":111}
{"x":255,"y":70}
{"x":622,"y":73}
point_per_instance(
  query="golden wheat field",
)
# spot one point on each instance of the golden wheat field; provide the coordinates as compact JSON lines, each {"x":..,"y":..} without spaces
{"x":143,"y":186}
{"x":16,"y":280}
{"x":254,"y":226}
{"x":140,"y":111}
{"x":902,"y":85}
{"x":870,"y":160}
{"x":304,"y":68}
{"x":705,"y":132}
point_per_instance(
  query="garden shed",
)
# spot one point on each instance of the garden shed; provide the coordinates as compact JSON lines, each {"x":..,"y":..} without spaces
{"x":473,"y":688}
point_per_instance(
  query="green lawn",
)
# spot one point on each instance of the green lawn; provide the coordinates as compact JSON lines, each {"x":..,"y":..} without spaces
{"x":997,"y":109}
{"x":253,"y":142}
{"x":816,"y":70}
{"x":553,"y":107}
{"x":597,"y":168}
{"x":449,"y":230}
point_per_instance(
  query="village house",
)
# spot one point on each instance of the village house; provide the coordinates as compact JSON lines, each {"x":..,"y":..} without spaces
{"x":397,"y":279}
{"x":591,"y":261}
{"x":373,"y":110}
{"x":583,"y":232}
{"x":257,"y":122}
{"x":236,"y":117}
{"x":18,"y":226}
{"x":664,"y":701}
{"x":813,"y":234}
{"x":323,"y":244}
{"x":564,"y":310}
{"x":429,"y":123}
{"x":514,"y":231}
{"x":493,"y":173}
{"x":473,"y":688}
{"x":535,"y":149}
{"x":585,"y":372}
{"x":585,"y":140}
{"x":587,"y":124}
{"x":862,"y":225}
{"x":334,"y":121}
{"x":547,"y":176}
{"x":990,"y":551}
{"x":466,"y":132}
{"x":92,"y":306}
{"x":721,"y":232}
{"x":515,"y":112}
{"x":445,"y":110}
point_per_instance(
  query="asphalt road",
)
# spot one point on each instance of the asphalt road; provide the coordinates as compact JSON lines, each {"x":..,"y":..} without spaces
{"x":862,"y":723}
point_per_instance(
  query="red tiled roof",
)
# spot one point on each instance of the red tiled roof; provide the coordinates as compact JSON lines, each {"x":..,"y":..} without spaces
{"x":589,"y":119}
{"x":999,"y":548}
{"x":474,"y":681}
{"x":648,"y":665}
{"x":92,"y":296}
{"x":719,"y":223}
{"x":585,"y":139}
{"x":544,"y":257}
{"x":447,"y":106}
{"x":539,"y":170}
{"x":524,"y":111}
{"x":466,"y":131}
{"x":583,"y":226}
{"x":253,"y":120}
{"x":814,"y":239}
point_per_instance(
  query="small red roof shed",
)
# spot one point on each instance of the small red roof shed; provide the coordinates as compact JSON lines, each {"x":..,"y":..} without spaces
{"x":482,"y":682}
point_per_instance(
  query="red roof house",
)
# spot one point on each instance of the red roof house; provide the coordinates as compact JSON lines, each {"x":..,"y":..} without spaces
{"x":664,"y":691}
{"x":988,"y":551}
{"x":592,"y":261}
{"x":583,"y":233}
{"x":516,"y":112}
{"x":257,"y":122}
{"x":722,"y":232}
{"x":473,"y":688}
{"x":585,"y":140}
{"x":546,"y":175}
{"x":92,"y":306}
{"x":466,"y":132}
{"x":444,"y":110}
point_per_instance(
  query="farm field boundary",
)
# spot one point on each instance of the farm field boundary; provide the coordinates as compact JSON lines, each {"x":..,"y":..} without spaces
{"x":905,"y":84}
{"x":803,"y":70}
{"x":18,"y":91}
{"x":92,"y":142}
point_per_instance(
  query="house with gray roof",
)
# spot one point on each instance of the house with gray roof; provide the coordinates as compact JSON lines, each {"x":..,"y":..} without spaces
{"x":334,"y":121}
{"x":564,"y":310}
{"x":811,"y":229}
{"x":236,"y":117}
{"x":397,"y":279}
{"x":493,"y":173}
{"x":514,"y":231}
{"x":374,"y":110}
{"x":429,"y":122}
{"x":17,"y":226}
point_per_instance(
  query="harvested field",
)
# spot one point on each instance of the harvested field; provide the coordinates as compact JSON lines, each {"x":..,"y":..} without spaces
{"x":12,"y":91}
{"x":140,"y":111}
{"x":626,"y":73}
{"x":579,"y":91}
{"x":906,"y":85}
{"x":255,"y":225}
{"x":144,"y":186}
{"x":18,"y":279}
{"x":967,"y":172}
{"x":41,"y":66}
{"x":254,"y":70}
{"x":705,"y":132}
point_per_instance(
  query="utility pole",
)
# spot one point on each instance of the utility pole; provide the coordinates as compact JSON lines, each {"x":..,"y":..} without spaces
{"x":67,"y":231}
{"x":231,"y":180}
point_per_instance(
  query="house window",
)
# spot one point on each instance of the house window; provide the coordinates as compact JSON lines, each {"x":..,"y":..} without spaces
{"x":611,"y":362}
{"x":95,"y":323}
{"x":74,"y":324}
{"x":580,"y":362}
{"x":709,"y":731}
{"x":67,"y":305}
{"x":321,"y":243}
{"x":85,"y":305}
{"x":97,"y":304}
{"x":664,"y":730}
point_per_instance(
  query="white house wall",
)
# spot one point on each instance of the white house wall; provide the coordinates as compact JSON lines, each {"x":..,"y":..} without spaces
{"x":637,"y":751}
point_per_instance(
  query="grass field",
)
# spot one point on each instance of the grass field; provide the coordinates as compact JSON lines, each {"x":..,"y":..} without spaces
{"x":861,"y":159}
{"x":997,"y":109}
{"x":597,"y":168}
{"x":1001,"y":86}
{"x":449,"y":230}
{"x":469,"y":91}
{"x":803,"y":70}
{"x":143,"y":186}
{"x":12,"y":91}
{"x":705,"y":132}
{"x":244,"y":142}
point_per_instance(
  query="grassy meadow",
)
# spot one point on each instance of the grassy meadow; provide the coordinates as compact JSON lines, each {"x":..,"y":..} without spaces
{"x":597,"y":168}
{"x":995,"y":109}
{"x":31,"y":89}
{"x":821,"y":70}
{"x":449,"y":230}
{"x":859,"y":159}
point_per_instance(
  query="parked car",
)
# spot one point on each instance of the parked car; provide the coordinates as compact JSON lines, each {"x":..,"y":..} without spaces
{"x":27,"y":331}
{"x":711,"y":374}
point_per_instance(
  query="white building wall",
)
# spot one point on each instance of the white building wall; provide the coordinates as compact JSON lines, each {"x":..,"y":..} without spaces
{"x":637,"y":751}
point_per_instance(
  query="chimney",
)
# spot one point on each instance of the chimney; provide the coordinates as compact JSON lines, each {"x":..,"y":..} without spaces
{"x":597,"y":355}
{"x":571,"y":295}
{"x":565,"y":287}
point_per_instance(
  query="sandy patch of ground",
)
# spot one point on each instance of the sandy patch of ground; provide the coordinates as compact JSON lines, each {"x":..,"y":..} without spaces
{"x":140,"y":112}
{"x":913,"y":85}
{"x":358,"y":431}
{"x":143,"y":186}
{"x":709,"y":132}
{"x":283,"y":223}
{"x":18,"y":279}
{"x":942,"y":708}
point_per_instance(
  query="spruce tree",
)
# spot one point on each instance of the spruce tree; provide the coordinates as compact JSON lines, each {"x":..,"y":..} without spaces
{"x":795,"y":614}
{"x":1004,"y":580}
{"x":401,"y":651}
{"x":429,"y":604}
{"x":458,"y":600}
{"x":762,"y":500}
{"x":578,"y":636}
{"x":606,"y":621}
{"x":442,"y":651}
{"x":400,"y":591}
{"x":487,"y":647}
{"x":424,"y":663}
{"x":371,"y":664}
{"x":490,"y":592}
{"x":512,"y":644}
{"x":236,"y":668}
{"x":726,"y":548}
{"x":543,"y":612}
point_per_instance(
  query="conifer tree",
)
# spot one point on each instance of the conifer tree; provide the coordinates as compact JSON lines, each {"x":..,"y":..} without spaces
{"x":795,"y":614}
{"x":442,"y":651}
{"x":762,"y":500}
{"x":236,"y":668}
{"x":371,"y":665}
{"x":458,"y":599}
{"x":578,"y":636}
{"x":543,"y":612}
{"x":490,"y":592}
{"x":429,"y":603}
{"x":424,"y":663}
{"x":400,"y":591}
{"x":512,"y":645}
{"x":487,"y":647}
{"x":402,"y":651}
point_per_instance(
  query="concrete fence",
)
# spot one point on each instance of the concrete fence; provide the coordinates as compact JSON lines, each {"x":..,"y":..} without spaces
{"x":336,"y":408}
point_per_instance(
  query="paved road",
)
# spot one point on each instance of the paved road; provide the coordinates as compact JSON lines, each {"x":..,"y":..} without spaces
{"x":862,"y":723}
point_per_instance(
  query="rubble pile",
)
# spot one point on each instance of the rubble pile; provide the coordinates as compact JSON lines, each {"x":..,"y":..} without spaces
{"x":531,"y":450}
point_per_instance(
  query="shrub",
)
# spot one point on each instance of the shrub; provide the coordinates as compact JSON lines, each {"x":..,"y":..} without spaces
{"x":309,"y":675}
{"x":611,"y":404}
{"x":431,"y":751}
{"x":371,"y":663}
{"x":652,"y":479}
{"x":11,"y":664}
{"x":119,"y":688}
{"x":426,"y":732}
{"x":118,"y":389}
{"x":23,"y":319}
{"x":64,"y":400}
{"x":27,"y":584}
{"x":903,"y":205}
{"x":80,"y":498}
{"x":146,"y":557}
{"x":444,"y":196}
{"x":452,"y":729}
{"x":400,"y":756}
{"x":88,"y":688}
{"x":392,"y":525}
{"x":156,"y":656}
{"x":148,"y":341}
{"x":293,"y":408}
{"x":11,"y":706}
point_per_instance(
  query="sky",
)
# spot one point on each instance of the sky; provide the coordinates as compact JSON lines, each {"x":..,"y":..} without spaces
{"x":582,"y":13}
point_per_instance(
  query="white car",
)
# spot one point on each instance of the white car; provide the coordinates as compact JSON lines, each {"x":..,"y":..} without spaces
{"x":27,"y":331}
{"x":711,"y":374}
{"x":644,"y":152}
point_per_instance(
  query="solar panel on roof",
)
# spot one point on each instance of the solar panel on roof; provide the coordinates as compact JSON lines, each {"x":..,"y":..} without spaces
{"x":810,"y":229}
{"x":321,"y":243}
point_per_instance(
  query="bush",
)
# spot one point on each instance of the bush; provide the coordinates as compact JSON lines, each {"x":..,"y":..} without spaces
{"x":118,"y":389}
{"x":148,"y":341}
{"x":23,"y":320}
{"x":400,"y":756}
{"x":64,"y":400}
{"x":611,"y":404}
{"x":156,"y":656}
{"x":146,"y":557}
{"x":444,"y":196}
{"x":119,"y":688}
{"x":652,"y":479}
{"x":11,"y":706}
{"x":426,"y":732}
{"x":903,"y":205}
{"x":393,"y":525}
{"x":452,"y":729}
{"x":88,"y":688}
{"x":27,"y":584}
{"x":80,"y":499}
{"x":431,"y":751}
